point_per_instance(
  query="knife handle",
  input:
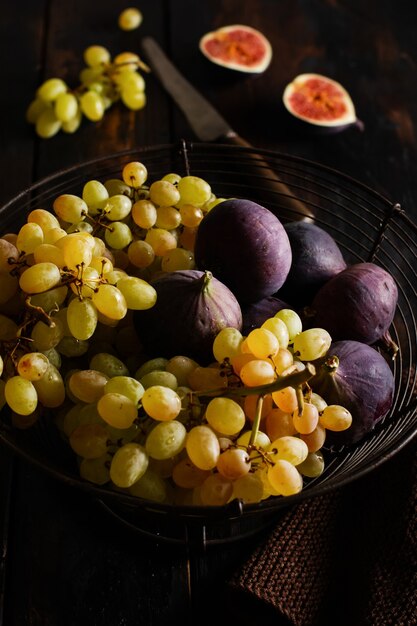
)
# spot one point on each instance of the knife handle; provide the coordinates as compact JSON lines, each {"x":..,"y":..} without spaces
{"x":289,"y":207}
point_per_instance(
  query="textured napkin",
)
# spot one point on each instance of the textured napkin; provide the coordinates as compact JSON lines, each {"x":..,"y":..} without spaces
{"x":347,"y":558}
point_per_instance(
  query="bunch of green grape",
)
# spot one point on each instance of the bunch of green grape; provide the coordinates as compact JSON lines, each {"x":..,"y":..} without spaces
{"x":169,"y":430}
{"x":103,"y":82}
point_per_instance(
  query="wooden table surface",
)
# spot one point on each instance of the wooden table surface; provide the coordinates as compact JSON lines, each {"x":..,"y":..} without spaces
{"x":64,"y":561}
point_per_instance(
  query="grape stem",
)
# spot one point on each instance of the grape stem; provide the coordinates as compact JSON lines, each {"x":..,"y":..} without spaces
{"x":300,"y":399}
{"x":256,"y":422}
{"x":291,"y":380}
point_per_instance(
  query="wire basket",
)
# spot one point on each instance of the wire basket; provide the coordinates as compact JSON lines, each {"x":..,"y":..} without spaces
{"x":366,"y":226}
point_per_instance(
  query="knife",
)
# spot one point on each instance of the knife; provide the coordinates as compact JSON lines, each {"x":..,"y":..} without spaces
{"x":209,"y":126}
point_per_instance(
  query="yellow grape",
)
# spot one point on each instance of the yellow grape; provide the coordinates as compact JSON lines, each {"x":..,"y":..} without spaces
{"x":47,"y":125}
{"x":110,"y":301}
{"x":87,"y":385}
{"x":292,"y":321}
{"x":89,"y":441}
{"x":306,"y":420}
{"x":205,"y":378}
{"x":32,"y":365}
{"x":50,"y":388}
{"x":29,"y":237}
{"x":279,"y":423}
{"x":46,"y":336}
{"x":203,"y":447}
{"x":82,"y":318}
{"x":226,"y":344}
{"x":233,"y":463}
{"x":166,"y":440}
{"x":261,"y":441}
{"x":134,"y":174}
{"x":77,"y":249}
{"x":248,"y":488}
{"x":315,"y":440}
{"x":225,"y":416}
{"x":285,"y":478}
{"x":127,"y":386}
{"x":216,"y":490}
{"x":282,"y":360}
{"x":187,"y":475}
{"x":161,"y":240}
{"x":128,"y":465}
{"x":279,"y":329}
{"x":96,"y":55}
{"x":286,"y":399}
{"x":116,"y":409}
{"x":257,"y":372}
{"x":150,"y":486}
{"x":66,"y":107}
{"x":40,"y":277}
{"x":164,"y":194}
{"x":92,"y":105}
{"x":138,"y":293}
{"x":48,"y":253}
{"x":336,"y":418}
{"x":194,"y":190}
{"x":44,"y":219}
{"x":20,"y":394}
{"x":177,"y":259}
{"x":161,"y":403}
{"x":70,"y":208}
{"x":130,"y":18}
{"x":50,"y":89}
{"x":144,"y":214}
{"x":191,"y":215}
{"x":262,"y":343}
{"x":291,"y":449}
{"x":181,"y":367}
{"x":311,"y":344}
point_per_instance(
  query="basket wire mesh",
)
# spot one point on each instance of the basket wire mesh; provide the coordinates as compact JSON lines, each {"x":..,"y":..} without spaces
{"x":366,"y":226}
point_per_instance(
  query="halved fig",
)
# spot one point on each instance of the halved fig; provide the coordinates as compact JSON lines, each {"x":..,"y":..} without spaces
{"x":320,"y":101}
{"x":237,"y":47}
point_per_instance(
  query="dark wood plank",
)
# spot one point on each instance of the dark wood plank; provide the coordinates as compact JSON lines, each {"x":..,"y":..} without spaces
{"x":22,"y":59}
{"x":68,"y":563}
{"x":72,"y":27}
{"x":342,"y":40}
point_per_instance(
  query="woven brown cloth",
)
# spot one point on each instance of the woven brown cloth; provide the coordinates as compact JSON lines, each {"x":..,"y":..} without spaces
{"x":346,"y":558}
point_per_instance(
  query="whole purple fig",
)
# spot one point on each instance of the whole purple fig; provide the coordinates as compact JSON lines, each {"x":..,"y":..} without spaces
{"x":316,"y":258}
{"x":246,"y":247}
{"x":358,"y":303}
{"x":190,"y":309}
{"x":356,"y":376}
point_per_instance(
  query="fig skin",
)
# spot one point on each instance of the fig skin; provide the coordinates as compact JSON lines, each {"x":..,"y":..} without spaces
{"x":246,"y":247}
{"x":356,"y":376}
{"x":316,"y":258}
{"x":358,"y":303}
{"x":255,"y":313}
{"x":191,"y":308}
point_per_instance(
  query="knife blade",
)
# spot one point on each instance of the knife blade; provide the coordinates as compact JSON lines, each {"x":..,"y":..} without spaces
{"x":204,"y":119}
{"x":210,"y":126}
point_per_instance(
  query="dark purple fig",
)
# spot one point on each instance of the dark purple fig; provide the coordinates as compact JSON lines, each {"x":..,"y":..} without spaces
{"x":316,"y":258}
{"x":246,"y":247}
{"x":356,"y":376}
{"x":358,"y":303}
{"x":191,"y":308}
{"x":256,"y":313}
